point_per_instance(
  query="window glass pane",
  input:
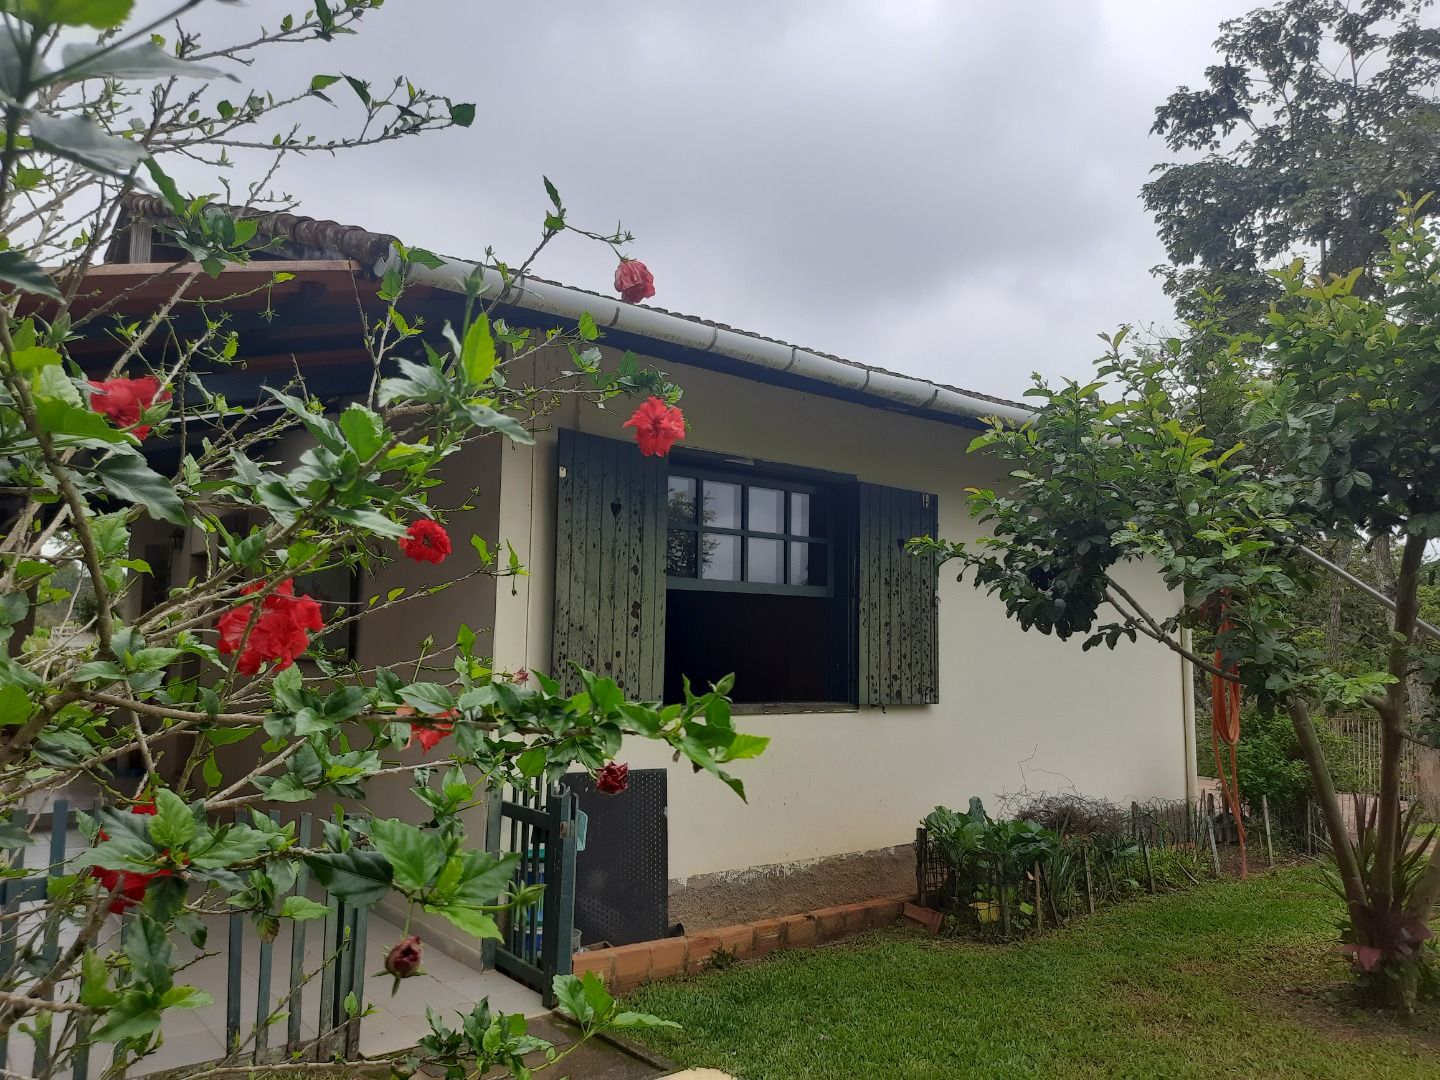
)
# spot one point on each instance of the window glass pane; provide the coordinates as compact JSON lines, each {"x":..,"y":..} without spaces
{"x":766,"y":561}
{"x":682,"y":499}
{"x":800,"y":513}
{"x":720,"y":556}
{"x":680,"y":553}
{"x":722,"y":505}
{"x":767,"y":510}
{"x":807,"y":564}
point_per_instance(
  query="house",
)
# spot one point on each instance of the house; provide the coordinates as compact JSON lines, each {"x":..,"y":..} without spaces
{"x":769,"y":544}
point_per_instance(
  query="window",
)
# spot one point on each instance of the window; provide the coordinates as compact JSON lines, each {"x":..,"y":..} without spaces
{"x":738,"y":535}
{"x":695,"y":565}
{"x":752,"y":586}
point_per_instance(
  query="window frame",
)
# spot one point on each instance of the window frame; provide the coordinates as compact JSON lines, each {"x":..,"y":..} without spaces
{"x":765,"y":479}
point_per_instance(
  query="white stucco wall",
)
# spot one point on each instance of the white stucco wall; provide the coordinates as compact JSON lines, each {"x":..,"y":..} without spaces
{"x":1016,"y":710}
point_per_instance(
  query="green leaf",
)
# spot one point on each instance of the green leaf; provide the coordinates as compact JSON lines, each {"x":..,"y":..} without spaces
{"x":363,"y":430}
{"x":147,"y":947}
{"x":187,"y":997}
{"x":143,"y":61}
{"x":99,"y":14}
{"x":71,"y":425}
{"x":235,"y":844}
{"x":173,"y":825}
{"x":355,"y":876}
{"x":15,"y":706}
{"x":33,"y":358}
{"x":362,"y":89}
{"x":588,"y":330}
{"x":430,"y":698}
{"x":95,"y":982}
{"x":641,"y":1020}
{"x":301,"y":908}
{"x":477,"y":356}
{"x":369,"y":520}
{"x":133,"y":1017}
{"x":82,"y":140}
{"x":320,"y":82}
{"x":462,"y":114}
{"x":415,"y":855}
{"x":128,"y":477}
{"x":473,"y":921}
{"x":19,"y":271}
{"x":532,"y":762}
{"x":486,"y":417}
{"x":570,"y":998}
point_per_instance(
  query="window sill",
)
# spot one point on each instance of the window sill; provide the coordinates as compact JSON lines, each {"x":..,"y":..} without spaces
{"x":760,"y":708}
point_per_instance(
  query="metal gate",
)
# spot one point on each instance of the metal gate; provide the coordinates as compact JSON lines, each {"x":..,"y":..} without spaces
{"x":542,"y":829}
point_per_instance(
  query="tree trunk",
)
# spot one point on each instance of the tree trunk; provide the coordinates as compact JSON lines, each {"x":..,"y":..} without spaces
{"x":1346,"y":862}
{"x":1427,"y":780}
{"x":1392,"y":710}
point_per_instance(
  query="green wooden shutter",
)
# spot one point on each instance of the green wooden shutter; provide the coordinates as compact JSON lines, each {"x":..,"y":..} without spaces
{"x":898,"y":658}
{"x":610,"y":564}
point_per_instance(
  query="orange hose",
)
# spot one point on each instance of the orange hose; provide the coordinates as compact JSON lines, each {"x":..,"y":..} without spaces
{"x":1225,"y":698}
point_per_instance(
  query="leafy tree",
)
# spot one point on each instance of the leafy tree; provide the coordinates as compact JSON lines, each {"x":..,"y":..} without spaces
{"x":233,"y":655}
{"x":1345,"y":439}
{"x":1315,"y":116}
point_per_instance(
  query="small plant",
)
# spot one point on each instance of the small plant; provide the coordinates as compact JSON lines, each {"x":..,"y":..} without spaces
{"x":722,"y":959}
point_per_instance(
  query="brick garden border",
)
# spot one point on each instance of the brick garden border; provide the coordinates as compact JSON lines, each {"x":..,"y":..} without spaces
{"x":625,"y":967}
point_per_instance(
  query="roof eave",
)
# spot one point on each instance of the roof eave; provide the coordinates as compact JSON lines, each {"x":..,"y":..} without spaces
{"x":773,"y":357}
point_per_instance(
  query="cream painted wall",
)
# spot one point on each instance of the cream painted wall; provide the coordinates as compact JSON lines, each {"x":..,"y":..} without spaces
{"x":1016,"y":710}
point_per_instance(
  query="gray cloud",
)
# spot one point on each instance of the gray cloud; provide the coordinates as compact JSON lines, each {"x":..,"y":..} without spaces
{"x":946,"y":188}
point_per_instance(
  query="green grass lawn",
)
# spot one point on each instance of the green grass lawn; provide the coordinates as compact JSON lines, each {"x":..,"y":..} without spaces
{"x":1232,"y":980}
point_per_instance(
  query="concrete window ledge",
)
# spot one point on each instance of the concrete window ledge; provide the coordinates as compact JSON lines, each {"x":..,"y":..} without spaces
{"x":625,"y":967}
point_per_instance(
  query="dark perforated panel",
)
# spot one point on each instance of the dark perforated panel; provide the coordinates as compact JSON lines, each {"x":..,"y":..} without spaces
{"x":622,"y":876}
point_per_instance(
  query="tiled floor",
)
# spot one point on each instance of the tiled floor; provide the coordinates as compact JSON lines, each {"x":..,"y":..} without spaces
{"x":397,"y":1020}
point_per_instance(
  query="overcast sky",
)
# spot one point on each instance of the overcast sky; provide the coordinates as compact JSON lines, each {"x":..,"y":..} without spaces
{"x":942,"y":187}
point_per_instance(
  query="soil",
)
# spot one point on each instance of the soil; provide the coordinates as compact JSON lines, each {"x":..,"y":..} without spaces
{"x":707,"y":901}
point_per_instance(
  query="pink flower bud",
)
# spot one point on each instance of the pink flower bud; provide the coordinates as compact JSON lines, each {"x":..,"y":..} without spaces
{"x":403,"y":959}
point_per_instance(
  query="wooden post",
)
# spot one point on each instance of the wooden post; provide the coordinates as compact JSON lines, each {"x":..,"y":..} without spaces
{"x":922,"y":860}
{"x":1265,"y":816}
{"x":1309,"y":833}
{"x":1004,"y":891}
{"x":1214,"y":851}
{"x":1089,"y":890}
{"x":1039,"y":902}
{"x":1149,"y":869}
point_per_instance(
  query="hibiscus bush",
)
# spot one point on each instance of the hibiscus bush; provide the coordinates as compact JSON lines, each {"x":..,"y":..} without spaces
{"x":96,"y":108}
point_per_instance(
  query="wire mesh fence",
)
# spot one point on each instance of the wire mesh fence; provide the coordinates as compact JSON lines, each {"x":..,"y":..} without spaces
{"x":1092,"y":854}
{"x":1359,"y":748}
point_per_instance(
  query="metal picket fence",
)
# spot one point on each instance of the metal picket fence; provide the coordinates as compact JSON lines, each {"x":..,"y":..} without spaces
{"x":337,"y":1007}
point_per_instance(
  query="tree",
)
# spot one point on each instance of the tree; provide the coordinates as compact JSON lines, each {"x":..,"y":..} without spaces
{"x":1316,"y":116}
{"x":1344,"y":438}
{"x":233,"y":655}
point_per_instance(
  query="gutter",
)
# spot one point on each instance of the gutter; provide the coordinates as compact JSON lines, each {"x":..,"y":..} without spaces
{"x":1187,"y":717}
{"x":568,"y":303}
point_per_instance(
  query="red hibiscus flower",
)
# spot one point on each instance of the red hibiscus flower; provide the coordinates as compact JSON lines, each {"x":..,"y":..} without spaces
{"x":123,"y":400}
{"x":613,"y":778}
{"x":429,"y":731}
{"x":279,"y":635}
{"x":633,"y":281}
{"x":657,"y":426}
{"x":426,"y":541}
{"x":131,"y":883}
